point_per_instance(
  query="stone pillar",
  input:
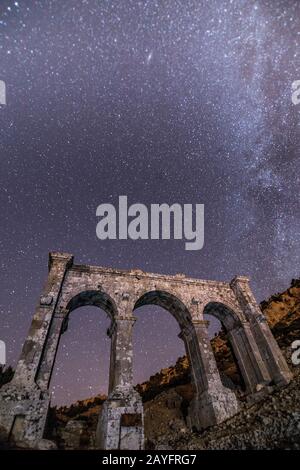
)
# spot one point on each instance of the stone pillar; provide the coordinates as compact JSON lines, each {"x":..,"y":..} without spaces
{"x":269,"y":350}
{"x":121,"y":422}
{"x":57,"y":328}
{"x":23,"y":404}
{"x":213,"y":402}
{"x":251,"y":364}
{"x":28,"y":364}
{"x":121,"y":354}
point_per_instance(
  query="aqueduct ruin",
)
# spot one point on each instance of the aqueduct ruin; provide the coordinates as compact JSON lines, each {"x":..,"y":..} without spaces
{"x":24,"y":402}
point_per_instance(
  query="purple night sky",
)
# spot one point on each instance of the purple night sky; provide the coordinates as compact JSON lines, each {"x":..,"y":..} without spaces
{"x":184,"y":101}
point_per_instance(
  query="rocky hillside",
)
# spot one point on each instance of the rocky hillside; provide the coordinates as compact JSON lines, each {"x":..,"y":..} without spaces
{"x":167,"y":395}
{"x":273,"y":423}
{"x":283,"y":314}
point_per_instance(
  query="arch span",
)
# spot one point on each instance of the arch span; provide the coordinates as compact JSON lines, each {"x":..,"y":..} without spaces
{"x":167,"y":301}
{"x":225,"y":314}
{"x":227,"y":361}
{"x":59,"y":325}
{"x":204,"y":369}
{"x":242,"y":345}
{"x":96,"y":299}
{"x":87,"y":368}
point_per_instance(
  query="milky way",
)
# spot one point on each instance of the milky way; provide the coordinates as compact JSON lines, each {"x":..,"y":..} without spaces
{"x":171,"y":101}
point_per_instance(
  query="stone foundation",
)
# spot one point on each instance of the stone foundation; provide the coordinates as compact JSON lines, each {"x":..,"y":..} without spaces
{"x":23,"y":414}
{"x":121,"y":423}
{"x":212,"y":408}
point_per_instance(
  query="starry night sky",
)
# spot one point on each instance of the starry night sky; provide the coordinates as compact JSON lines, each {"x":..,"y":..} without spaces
{"x":164,"y":101}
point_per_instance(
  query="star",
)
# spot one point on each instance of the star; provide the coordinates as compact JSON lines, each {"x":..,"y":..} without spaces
{"x":149,"y":57}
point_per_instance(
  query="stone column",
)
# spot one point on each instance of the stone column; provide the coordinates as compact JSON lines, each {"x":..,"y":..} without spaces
{"x":121,"y":422}
{"x":23,"y":405}
{"x":213,"y":402}
{"x":270,"y":352}
{"x":29,"y":361}
{"x":121,"y":354}
{"x":251,"y":364}
{"x":57,"y":328}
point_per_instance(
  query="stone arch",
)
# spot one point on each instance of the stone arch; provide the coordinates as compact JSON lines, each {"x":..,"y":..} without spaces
{"x":88,"y":298}
{"x":229,"y":319}
{"x":174,"y":307}
{"x":242,"y":343}
{"x":212,"y":401}
{"x":93,"y":298}
{"x":177,"y":308}
{"x":224,"y":313}
{"x":170,"y":302}
{"x":59,"y":325}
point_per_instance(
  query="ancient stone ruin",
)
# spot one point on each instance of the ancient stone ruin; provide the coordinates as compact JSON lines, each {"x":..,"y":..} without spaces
{"x":25,"y":401}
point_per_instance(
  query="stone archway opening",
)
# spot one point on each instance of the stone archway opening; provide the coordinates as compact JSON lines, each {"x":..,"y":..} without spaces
{"x":80,"y":379}
{"x":81,"y":368}
{"x":160,"y":359}
{"x":221,"y":319}
{"x":169,"y":302}
{"x":160,"y":348}
{"x":160,"y":304}
{"x":59,"y":325}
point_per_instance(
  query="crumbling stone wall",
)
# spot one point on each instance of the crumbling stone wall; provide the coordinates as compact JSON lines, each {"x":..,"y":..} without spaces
{"x":24,"y":402}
